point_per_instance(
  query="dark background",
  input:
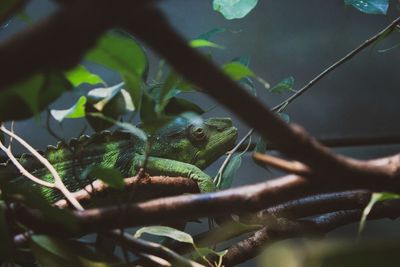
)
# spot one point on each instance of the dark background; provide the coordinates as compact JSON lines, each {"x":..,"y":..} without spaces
{"x":284,"y":38}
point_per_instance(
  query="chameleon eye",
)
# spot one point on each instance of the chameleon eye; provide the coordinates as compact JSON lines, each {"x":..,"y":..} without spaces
{"x":198,"y":133}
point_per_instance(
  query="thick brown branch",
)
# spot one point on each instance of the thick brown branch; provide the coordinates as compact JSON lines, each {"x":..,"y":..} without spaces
{"x":189,"y":207}
{"x":149,"y":187}
{"x":289,"y":139}
{"x":59,"y":41}
{"x":319,"y":204}
{"x":342,"y":142}
{"x":11,"y":10}
{"x":283,"y":229}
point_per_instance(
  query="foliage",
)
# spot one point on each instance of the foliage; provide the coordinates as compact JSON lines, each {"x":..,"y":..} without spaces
{"x":234,"y":9}
{"x":379,"y":7}
{"x":154,"y":101}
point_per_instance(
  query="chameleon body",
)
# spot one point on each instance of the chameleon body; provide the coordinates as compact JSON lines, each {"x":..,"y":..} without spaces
{"x":180,"y":148}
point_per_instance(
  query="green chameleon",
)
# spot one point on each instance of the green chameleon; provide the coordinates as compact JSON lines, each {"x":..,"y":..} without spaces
{"x":180,"y":148}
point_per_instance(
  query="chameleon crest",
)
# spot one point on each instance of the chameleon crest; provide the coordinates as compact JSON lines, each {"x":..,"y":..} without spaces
{"x":181,"y":148}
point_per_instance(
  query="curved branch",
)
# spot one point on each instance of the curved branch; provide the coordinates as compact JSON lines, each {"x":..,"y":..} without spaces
{"x":347,"y":57}
{"x":289,"y":139}
{"x":283,"y":229}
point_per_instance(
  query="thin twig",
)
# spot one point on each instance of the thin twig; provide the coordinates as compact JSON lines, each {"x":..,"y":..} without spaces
{"x":217,"y":179}
{"x":58,"y":183}
{"x":347,"y":57}
{"x":22,"y":170}
{"x":294,"y":167}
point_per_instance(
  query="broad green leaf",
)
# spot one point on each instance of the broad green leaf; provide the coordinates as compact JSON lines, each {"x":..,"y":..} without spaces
{"x":285,"y":117}
{"x":127,"y":127}
{"x":379,"y":7}
{"x":125,"y":56}
{"x":119,"y":53}
{"x":261,"y":146}
{"x":5,"y":238}
{"x":165,"y":231}
{"x":197,"y":43}
{"x":134,"y":88}
{"x":112,"y":102}
{"x":80,"y":75}
{"x":211,"y":33}
{"x":237,"y":71}
{"x":50,"y":251}
{"x":74,"y":112}
{"x":103,"y":96}
{"x":234,"y":9}
{"x":110,"y":176}
{"x":148,"y":108}
{"x":168,"y":90}
{"x":25,"y":99}
{"x":247,"y":82}
{"x":178,"y":106}
{"x":284,"y":85}
{"x":230,"y":170}
{"x":375,"y":197}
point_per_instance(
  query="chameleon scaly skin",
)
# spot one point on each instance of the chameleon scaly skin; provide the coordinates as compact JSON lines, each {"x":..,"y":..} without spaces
{"x":180,"y":148}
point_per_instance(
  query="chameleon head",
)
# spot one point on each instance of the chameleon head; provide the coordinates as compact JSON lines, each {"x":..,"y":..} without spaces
{"x":196,"y":142}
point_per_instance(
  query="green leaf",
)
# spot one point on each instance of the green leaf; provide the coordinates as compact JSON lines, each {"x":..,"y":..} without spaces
{"x":51,"y":251}
{"x":230,"y":170}
{"x":148,"y":108}
{"x":379,"y":7}
{"x":127,"y":127}
{"x":110,"y":176}
{"x":5,"y":238}
{"x":284,"y":85}
{"x":74,"y":112}
{"x":178,"y":106}
{"x":25,"y":99}
{"x":261,"y":146}
{"x":134,"y":88}
{"x":204,"y":252}
{"x":164,"y":93}
{"x":211,"y":33}
{"x":247,"y":82}
{"x":234,"y":9}
{"x":119,"y":53}
{"x":81,"y":75}
{"x":375,"y":197}
{"x":112,"y":102}
{"x":197,"y":43}
{"x":165,"y":231}
{"x":103,"y":96}
{"x":237,"y":71}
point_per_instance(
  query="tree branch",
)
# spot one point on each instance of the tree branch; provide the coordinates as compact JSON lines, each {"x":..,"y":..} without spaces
{"x":150,"y":187}
{"x":347,"y":57}
{"x":283,"y":229}
{"x":13,"y":8}
{"x":189,"y":207}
